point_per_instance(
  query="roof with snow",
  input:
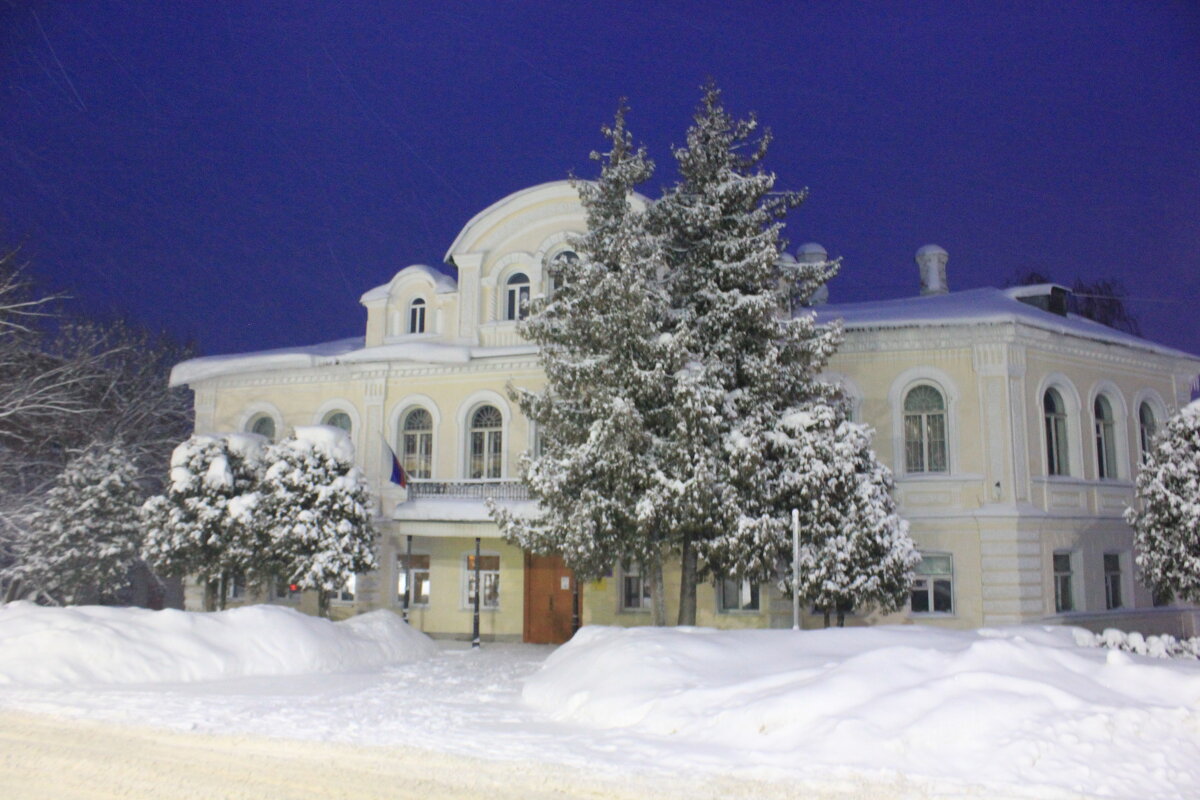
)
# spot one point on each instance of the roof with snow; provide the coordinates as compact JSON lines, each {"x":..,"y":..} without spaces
{"x":976,"y":307}
{"x":442,"y":283}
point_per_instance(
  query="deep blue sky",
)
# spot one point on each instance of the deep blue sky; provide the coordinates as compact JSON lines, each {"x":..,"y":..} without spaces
{"x":240,"y":173}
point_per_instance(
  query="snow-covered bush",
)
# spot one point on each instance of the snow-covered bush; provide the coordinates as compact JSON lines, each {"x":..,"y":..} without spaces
{"x":1162,"y":646}
{"x":83,"y":541}
{"x":316,"y":511}
{"x":1167,"y":520}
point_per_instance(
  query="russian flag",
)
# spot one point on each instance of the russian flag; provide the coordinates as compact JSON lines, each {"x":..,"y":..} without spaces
{"x":399,"y":476}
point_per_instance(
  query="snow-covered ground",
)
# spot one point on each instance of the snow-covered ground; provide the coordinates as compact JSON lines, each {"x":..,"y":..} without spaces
{"x":1015,"y":712}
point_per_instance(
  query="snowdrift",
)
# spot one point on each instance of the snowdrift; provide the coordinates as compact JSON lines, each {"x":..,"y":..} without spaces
{"x":100,"y":645}
{"x":1001,"y":706}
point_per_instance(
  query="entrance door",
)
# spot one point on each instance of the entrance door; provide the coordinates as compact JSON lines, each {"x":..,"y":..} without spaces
{"x":549,"y":590}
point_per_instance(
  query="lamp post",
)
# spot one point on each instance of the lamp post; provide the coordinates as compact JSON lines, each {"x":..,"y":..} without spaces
{"x":795,"y":569}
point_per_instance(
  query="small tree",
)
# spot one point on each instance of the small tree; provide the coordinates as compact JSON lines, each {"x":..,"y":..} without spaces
{"x":315,"y":509}
{"x":83,"y":541}
{"x":1167,"y":522}
{"x":204,"y":525}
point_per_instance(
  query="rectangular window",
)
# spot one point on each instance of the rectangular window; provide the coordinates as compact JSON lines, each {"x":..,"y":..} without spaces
{"x":1064,"y":590}
{"x":738,"y":595}
{"x":933,"y":589}
{"x":1112,"y":581}
{"x":284,"y":591}
{"x":635,"y":590}
{"x":346,"y":593}
{"x":235,"y":587}
{"x":420,"y":580}
{"x":489,"y":576}
{"x":418,"y":454}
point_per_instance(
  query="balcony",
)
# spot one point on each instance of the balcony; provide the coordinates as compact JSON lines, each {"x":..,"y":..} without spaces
{"x":468,"y":490}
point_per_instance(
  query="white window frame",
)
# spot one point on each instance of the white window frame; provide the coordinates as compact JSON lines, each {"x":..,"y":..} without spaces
{"x":491,"y":456}
{"x":516,"y":296}
{"x":744,"y":589}
{"x":901,"y":385}
{"x":1066,"y":587}
{"x":1116,"y":595}
{"x":924,"y":439}
{"x":417,"y":319}
{"x":417,"y":571}
{"x":487,"y":576}
{"x":931,"y":579}
{"x":633,"y":573}
{"x":420,"y":465}
{"x":347,"y":594}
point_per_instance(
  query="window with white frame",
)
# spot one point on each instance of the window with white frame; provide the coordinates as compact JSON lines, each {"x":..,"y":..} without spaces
{"x":1112,"y":581}
{"x":235,"y":587}
{"x":924,"y":430}
{"x":516,"y":296}
{"x":418,"y":570}
{"x":486,"y":444}
{"x":557,"y":264}
{"x":263,"y":425}
{"x":346,"y":593}
{"x":1106,"y":438}
{"x":489,"y":577}
{"x":1064,"y":583}
{"x":735,"y":594}
{"x":1147,"y":427}
{"x":416,"y":443}
{"x":338,"y":419}
{"x":1055,"y":415}
{"x":933,"y":589}
{"x":416,"y":316}
{"x":635,"y":589}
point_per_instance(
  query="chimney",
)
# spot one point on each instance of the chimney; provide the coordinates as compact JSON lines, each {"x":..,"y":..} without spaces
{"x":931,"y":260}
{"x":813,"y":253}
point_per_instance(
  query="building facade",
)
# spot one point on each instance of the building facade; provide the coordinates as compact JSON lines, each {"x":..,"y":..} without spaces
{"x":1013,"y":428}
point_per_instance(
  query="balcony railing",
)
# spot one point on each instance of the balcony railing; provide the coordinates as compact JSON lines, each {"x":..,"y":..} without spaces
{"x":470,"y":489}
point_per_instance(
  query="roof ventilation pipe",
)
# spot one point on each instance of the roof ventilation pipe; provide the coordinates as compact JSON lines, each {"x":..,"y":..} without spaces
{"x":931,"y":260}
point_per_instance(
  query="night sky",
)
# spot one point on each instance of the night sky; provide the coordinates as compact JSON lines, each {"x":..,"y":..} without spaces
{"x":240,"y":173}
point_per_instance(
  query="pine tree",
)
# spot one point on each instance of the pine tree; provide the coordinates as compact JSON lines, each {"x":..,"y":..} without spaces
{"x":83,"y":541}
{"x":745,"y":362}
{"x":204,"y":524}
{"x":1167,"y":522}
{"x":315,"y":507}
{"x":604,"y":408}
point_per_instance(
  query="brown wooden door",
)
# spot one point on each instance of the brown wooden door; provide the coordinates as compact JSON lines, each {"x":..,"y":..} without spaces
{"x":549,"y":597}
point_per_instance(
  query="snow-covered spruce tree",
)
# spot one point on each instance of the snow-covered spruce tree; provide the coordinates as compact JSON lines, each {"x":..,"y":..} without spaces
{"x":604,"y":407}
{"x":84,"y":539}
{"x":316,"y":510}
{"x":204,"y":524}
{"x":1166,"y":522}
{"x":855,"y":551}
{"x":745,"y":363}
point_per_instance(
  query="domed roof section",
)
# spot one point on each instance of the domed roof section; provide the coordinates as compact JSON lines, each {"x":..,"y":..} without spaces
{"x":557,"y":200}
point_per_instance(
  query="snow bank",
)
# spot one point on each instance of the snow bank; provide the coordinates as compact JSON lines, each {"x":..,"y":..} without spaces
{"x":100,"y":645}
{"x":1002,"y":706}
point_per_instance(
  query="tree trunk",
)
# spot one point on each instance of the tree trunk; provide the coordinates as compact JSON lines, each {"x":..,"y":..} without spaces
{"x":658,"y":593}
{"x":323,"y":603}
{"x":687,"y":582}
{"x":826,"y":617}
{"x":210,"y":595}
{"x":841,"y":618}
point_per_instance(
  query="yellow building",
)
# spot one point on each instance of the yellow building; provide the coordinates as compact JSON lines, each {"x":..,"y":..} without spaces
{"x":1013,"y":429}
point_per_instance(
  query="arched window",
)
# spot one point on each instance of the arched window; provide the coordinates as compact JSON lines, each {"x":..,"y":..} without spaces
{"x":1106,"y":438}
{"x":1147,"y":427}
{"x":486,"y":443}
{"x":263,"y":425}
{"x":416,"y":444}
{"x":416,"y":316}
{"x":924,"y":430}
{"x":516,"y":304}
{"x":557,"y":264}
{"x":1055,"y":412}
{"x":338,"y":419}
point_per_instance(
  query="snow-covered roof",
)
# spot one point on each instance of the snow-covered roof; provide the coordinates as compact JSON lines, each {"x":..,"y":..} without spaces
{"x":442,"y":283}
{"x":342,"y":351}
{"x":975,"y":307}
{"x":452,"y":509}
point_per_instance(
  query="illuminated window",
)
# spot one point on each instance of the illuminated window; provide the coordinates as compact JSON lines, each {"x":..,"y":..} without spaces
{"x":416,"y":445}
{"x":924,"y":430}
{"x":420,"y":580}
{"x":489,"y":576}
{"x":486,"y":444}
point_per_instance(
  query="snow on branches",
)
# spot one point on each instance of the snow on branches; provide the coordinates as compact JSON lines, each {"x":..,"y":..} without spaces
{"x":1166,"y":522}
